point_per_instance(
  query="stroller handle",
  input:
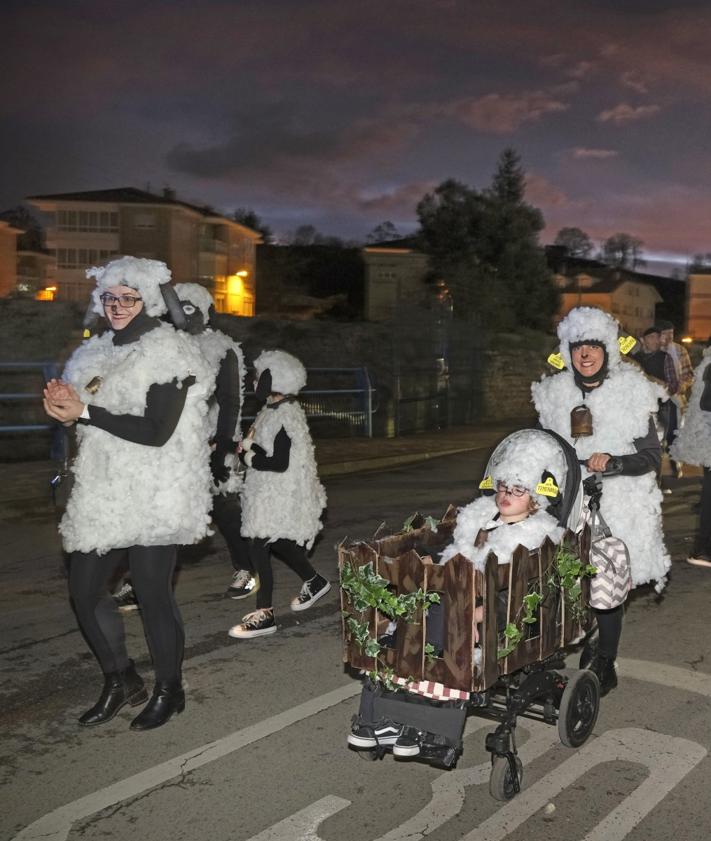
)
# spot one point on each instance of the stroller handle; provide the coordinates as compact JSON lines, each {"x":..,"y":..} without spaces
{"x":613,"y":466}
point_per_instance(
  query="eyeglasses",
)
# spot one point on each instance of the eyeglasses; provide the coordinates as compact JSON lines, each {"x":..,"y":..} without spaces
{"x":516,"y":490}
{"x":127,"y":301}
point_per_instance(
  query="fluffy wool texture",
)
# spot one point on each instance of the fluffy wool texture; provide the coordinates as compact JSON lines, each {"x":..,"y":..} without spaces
{"x":288,"y":374}
{"x":589,"y":324}
{"x":522,"y":457}
{"x":621,"y":410}
{"x":128,"y":494}
{"x":693,"y":443}
{"x":502,"y":540}
{"x":145,"y":276}
{"x":214,"y":346}
{"x":289,"y":504}
{"x":197,"y":295}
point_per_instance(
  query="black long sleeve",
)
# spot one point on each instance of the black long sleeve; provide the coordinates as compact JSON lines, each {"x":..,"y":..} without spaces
{"x":648,"y":457}
{"x":227,"y":388}
{"x":278,"y":461}
{"x":164,"y":405}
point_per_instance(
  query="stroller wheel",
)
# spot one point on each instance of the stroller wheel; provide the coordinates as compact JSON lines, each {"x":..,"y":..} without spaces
{"x":578,"y":709}
{"x":501,"y":782}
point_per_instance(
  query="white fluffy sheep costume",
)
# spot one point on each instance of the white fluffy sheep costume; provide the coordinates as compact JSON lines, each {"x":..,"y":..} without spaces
{"x":522,"y":459}
{"x":693,"y":442}
{"x":289,"y":504}
{"x":214,"y":346}
{"x":621,"y":409}
{"x":128,"y":494}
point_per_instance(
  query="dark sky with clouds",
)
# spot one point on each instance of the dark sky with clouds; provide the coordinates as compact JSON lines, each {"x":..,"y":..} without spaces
{"x":343,"y":114}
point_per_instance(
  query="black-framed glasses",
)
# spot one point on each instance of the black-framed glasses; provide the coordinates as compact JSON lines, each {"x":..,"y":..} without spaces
{"x":127,"y":301}
{"x":516,"y":490}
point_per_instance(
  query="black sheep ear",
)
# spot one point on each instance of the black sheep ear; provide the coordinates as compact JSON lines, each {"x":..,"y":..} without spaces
{"x":210,"y":313}
{"x":175,"y":309}
{"x":264,"y":385}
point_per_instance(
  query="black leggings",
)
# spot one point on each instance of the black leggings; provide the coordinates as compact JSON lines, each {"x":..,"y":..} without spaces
{"x":227,"y":515}
{"x":293,"y":555}
{"x":609,"y":623}
{"x":151,"y":569}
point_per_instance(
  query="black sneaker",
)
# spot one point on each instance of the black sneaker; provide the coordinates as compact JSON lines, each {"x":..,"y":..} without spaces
{"x":384,"y":734}
{"x":260,"y":623}
{"x":125,"y":598}
{"x":408,"y":743}
{"x":243,"y":585}
{"x":311,"y":592}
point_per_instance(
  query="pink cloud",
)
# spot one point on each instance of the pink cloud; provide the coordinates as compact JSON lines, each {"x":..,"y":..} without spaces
{"x":504,"y":113}
{"x":631,"y":79}
{"x":402,"y":199}
{"x":584,"y":153}
{"x":580,"y":70}
{"x":624,"y":113}
{"x":544,"y":194}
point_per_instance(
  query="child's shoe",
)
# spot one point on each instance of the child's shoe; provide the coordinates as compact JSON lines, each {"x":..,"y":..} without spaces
{"x":384,"y":733}
{"x":257,"y":624}
{"x":408,"y":743}
{"x":311,"y":592}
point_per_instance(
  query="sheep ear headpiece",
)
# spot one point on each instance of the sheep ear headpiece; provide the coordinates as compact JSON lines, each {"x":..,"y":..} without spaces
{"x":150,"y":278}
{"x":531,"y":459}
{"x":589,"y":324}
{"x":287,"y":373}
{"x":197,"y":305}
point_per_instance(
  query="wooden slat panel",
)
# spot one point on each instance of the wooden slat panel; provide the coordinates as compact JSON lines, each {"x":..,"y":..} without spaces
{"x":410,"y":649}
{"x":358,"y":554}
{"x":550,"y":608}
{"x":489,"y":640}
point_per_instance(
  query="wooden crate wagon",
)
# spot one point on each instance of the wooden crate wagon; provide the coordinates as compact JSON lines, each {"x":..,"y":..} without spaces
{"x":459,"y":672}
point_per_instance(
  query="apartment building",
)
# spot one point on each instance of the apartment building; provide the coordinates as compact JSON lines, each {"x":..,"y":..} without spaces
{"x":88,"y":228}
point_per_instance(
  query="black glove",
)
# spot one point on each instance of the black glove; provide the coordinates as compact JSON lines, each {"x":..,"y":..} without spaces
{"x":220,"y":471}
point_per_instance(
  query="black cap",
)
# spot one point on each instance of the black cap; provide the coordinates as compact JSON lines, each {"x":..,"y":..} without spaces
{"x":664,"y":325}
{"x":650,"y":330}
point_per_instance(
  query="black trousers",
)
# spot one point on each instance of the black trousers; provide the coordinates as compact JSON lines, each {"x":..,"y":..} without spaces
{"x":703,"y":538}
{"x":227,"y":515}
{"x":151,"y":569}
{"x":609,"y":624}
{"x":293,"y":555}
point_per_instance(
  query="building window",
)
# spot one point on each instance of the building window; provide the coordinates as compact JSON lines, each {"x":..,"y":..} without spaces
{"x":145,"y":221}
{"x":87,"y":221}
{"x":81,"y":258}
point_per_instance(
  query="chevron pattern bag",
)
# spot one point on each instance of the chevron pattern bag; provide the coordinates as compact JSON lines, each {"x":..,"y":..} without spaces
{"x":610,"y":586}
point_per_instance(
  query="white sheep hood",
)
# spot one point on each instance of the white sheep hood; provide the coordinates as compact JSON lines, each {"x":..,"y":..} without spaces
{"x":621,"y":410}
{"x":289,"y":504}
{"x":503,"y":539}
{"x":589,"y":324}
{"x":693,"y":443}
{"x":214,"y":346}
{"x":143,"y":275}
{"x":128,"y":494}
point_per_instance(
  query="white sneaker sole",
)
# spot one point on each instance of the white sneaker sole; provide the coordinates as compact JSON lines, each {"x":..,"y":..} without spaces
{"x":238,"y":633}
{"x":698,"y":562}
{"x":409,"y":750}
{"x":296,"y":606}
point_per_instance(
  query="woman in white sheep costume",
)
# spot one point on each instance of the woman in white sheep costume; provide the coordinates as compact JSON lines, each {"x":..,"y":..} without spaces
{"x":622,"y":403}
{"x":522,"y":460}
{"x":225,"y":357}
{"x":282,"y":498}
{"x":141,"y":477}
{"x":693,"y":446}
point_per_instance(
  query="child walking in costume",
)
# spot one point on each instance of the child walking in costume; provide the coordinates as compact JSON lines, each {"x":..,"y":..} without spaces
{"x":282,"y":498}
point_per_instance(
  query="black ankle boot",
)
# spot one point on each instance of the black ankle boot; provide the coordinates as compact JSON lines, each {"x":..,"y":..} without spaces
{"x":120,"y":688}
{"x":168,"y":699}
{"x":604,"y":668}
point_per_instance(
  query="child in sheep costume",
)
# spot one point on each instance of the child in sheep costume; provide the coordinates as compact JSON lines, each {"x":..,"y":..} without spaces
{"x":142,"y":484}
{"x":523,"y":461}
{"x":282,"y":498}
{"x":225,"y":357}
{"x":693,"y":446}
{"x":621,"y":403}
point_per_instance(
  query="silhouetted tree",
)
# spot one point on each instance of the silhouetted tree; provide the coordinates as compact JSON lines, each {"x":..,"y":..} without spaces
{"x":248,"y":217}
{"x":383,"y":232}
{"x":576,"y":242}
{"x":623,"y":250}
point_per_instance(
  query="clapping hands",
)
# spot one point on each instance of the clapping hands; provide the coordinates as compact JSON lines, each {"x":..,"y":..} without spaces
{"x":61,"y":401}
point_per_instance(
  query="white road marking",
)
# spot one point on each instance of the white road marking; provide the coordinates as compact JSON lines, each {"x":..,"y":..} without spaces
{"x":668,"y":758}
{"x":55,"y":825}
{"x":301,"y":826}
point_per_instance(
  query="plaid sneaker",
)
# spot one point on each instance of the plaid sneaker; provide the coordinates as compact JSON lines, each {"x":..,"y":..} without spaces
{"x":256,"y":624}
{"x":243,"y":585}
{"x":383,"y":733}
{"x":125,"y":598}
{"x":311,"y":592}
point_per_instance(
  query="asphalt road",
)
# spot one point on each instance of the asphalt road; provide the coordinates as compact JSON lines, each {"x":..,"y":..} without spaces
{"x":260,"y":752}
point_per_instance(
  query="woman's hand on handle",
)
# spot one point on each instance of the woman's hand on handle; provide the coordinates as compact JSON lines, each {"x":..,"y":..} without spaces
{"x":597,"y":463}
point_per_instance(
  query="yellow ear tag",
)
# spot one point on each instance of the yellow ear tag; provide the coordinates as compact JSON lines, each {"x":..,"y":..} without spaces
{"x":486,"y":484}
{"x":87,"y":333}
{"x":547,"y":488}
{"x":626,"y":343}
{"x":556,"y":360}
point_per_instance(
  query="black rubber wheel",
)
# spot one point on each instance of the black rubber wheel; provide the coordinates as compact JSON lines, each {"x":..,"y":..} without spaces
{"x":501,"y":784}
{"x":578,"y":709}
